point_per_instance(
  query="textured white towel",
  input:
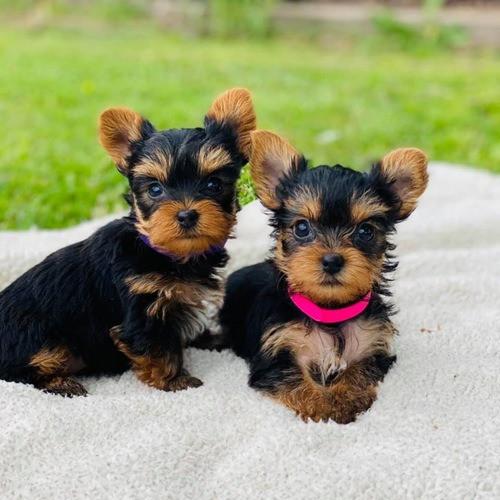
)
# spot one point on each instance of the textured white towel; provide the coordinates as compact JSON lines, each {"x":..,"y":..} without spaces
{"x":434,"y":431}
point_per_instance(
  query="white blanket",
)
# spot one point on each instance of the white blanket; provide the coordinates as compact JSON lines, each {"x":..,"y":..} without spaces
{"x":434,"y":431}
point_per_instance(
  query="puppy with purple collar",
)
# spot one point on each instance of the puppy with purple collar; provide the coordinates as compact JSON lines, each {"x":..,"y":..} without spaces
{"x":130,"y":296}
{"x":313,"y":321}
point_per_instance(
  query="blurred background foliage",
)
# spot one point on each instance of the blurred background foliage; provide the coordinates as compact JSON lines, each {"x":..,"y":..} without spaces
{"x":342,"y":92}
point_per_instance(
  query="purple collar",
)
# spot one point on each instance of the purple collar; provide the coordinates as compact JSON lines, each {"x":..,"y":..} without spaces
{"x":212,"y":250}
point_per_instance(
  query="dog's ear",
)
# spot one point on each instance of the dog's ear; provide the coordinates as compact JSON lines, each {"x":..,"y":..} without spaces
{"x":234,"y":110}
{"x":272,"y":160}
{"x":119,"y":130}
{"x":403,"y":173}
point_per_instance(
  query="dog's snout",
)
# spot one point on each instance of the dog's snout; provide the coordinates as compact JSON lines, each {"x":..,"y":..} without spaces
{"x":332,"y":263}
{"x":188,"y":218}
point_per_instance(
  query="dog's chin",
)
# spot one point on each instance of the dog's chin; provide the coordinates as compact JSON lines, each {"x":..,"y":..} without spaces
{"x":330,"y":292}
{"x":187,"y":245}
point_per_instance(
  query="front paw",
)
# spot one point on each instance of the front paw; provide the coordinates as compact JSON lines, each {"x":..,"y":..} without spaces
{"x":351,"y":403}
{"x":182,"y":382}
{"x":342,"y":404}
{"x":340,"y":413}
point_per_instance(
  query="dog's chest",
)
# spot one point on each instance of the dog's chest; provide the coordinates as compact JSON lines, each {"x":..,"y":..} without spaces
{"x":181,"y":305}
{"x":325,"y":352}
{"x":332,"y":352}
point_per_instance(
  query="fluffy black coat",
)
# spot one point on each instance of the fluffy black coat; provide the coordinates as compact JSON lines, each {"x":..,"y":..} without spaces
{"x":132,"y":294}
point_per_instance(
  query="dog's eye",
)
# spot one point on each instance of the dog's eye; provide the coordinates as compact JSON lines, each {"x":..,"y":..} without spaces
{"x":214,"y":185}
{"x":155,"y":190}
{"x":302,"y":229}
{"x":365,"y":232}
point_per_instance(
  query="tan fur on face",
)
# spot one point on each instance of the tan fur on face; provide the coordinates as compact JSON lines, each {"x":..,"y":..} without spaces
{"x":235,"y":107}
{"x":272,"y":157}
{"x":118,"y":129}
{"x":154,"y":168}
{"x":162,"y":228}
{"x":303,"y":269}
{"x":406,"y":169}
{"x":306,"y":203}
{"x":211,"y":159}
{"x":363,"y":207}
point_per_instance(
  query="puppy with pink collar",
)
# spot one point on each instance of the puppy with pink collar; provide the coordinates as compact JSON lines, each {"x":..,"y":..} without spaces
{"x":313,"y":321}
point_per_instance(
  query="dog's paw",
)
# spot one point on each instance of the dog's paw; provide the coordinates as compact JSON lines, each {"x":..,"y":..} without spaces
{"x":339,"y":415}
{"x":339,"y":404}
{"x":64,"y":386}
{"x":182,"y":382}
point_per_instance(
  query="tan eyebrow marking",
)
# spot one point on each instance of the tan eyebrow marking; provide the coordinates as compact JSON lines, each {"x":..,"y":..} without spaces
{"x":363,"y":207}
{"x":211,"y":159}
{"x":157,"y":166}
{"x":305,"y":202}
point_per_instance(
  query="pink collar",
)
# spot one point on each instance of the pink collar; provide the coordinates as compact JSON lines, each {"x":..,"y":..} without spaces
{"x":321,"y":315}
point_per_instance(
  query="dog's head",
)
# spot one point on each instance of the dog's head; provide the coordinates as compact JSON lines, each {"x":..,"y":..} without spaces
{"x":183,"y":181}
{"x":332,"y":224}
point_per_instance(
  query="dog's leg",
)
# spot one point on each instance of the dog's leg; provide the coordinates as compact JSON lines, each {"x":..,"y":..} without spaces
{"x":51,"y":368}
{"x":161,"y":371}
{"x":155,"y":353}
{"x":351,"y":394}
{"x":151,"y":337}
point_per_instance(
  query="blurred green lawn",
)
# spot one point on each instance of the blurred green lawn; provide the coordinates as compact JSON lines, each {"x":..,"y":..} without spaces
{"x":345,"y":105}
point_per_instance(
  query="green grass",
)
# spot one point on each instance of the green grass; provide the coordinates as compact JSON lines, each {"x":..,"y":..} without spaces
{"x":54,"y":83}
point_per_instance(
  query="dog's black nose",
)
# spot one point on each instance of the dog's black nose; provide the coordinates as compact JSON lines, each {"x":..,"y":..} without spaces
{"x":332,"y":263}
{"x":187,"y":218}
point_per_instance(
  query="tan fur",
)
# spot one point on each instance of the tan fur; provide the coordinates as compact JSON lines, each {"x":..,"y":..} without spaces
{"x":170,"y":293}
{"x":341,"y":402}
{"x":305,"y":273}
{"x":272,"y":156}
{"x":118,"y":129}
{"x":155,"y":168}
{"x":363,"y":207}
{"x":235,"y":107}
{"x":162,"y":228}
{"x":163,"y":372}
{"x":352,"y":392}
{"x":211,"y":159}
{"x":52,"y":367}
{"x":51,"y":361}
{"x":366,"y":337}
{"x":313,"y":346}
{"x":407,"y":169}
{"x":305,"y":203}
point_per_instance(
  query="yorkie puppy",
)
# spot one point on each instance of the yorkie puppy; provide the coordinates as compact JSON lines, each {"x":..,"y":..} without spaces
{"x":312,"y":321}
{"x":131,"y":294}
